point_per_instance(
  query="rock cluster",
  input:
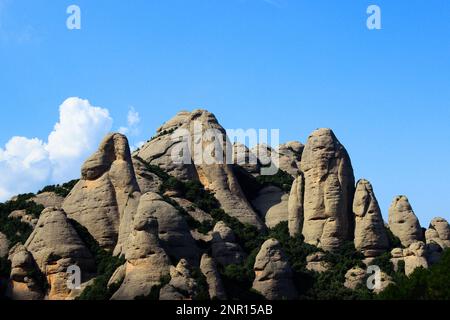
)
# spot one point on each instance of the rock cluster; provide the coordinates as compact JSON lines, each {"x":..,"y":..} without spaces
{"x":415,"y":256}
{"x":194,"y":146}
{"x":182,"y":285}
{"x":160,"y":235}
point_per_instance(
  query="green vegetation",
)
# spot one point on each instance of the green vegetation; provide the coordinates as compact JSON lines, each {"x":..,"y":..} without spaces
{"x":394,"y":241}
{"x":15,"y":230}
{"x":281,"y":179}
{"x":106,"y":266}
{"x":61,"y":190}
{"x":202,"y":293}
{"x":422,"y":284}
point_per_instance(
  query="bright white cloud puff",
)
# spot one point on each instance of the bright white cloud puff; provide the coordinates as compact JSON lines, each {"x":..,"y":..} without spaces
{"x":29,"y":164}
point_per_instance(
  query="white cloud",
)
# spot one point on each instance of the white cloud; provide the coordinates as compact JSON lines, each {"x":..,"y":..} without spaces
{"x":78,"y":132}
{"x":133,"y":117}
{"x":133,"y":121}
{"x":29,"y":164}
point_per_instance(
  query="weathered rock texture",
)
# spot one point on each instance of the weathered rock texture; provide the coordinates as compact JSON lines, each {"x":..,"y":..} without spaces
{"x":147,"y":180}
{"x":354,"y":278}
{"x":215,"y":285}
{"x":414,"y":256}
{"x":24,"y":217}
{"x":329,"y":189}
{"x":22,"y":285}
{"x":99,"y":199}
{"x":206,"y":155}
{"x":370,"y":234}
{"x":274,"y":277}
{"x":316,"y":262}
{"x":243,"y":157}
{"x":48,"y":200}
{"x":4,"y":245}
{"x":55,"y":246}
{"x":272,"y":204}
{"x":439,"y":233}
{"x":403,"y":222}
{"x":182,"y":286}
{"x":295,"y":206}
{"x":286,"y":157}
{"x":174,"y":231}
{"x":225,"y":250}
{"x":147,"y":262}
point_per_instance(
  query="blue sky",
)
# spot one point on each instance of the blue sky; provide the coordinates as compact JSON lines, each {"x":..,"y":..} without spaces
{"x":289,"y":64}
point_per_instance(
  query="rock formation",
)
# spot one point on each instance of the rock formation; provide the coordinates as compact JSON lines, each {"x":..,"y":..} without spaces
{"x":165,"y":238}
{"x":329,"y":189}
{"x":147,"y":262}
{"x":55,"y":246}
{"x":4,"y":245}
{"x":215,"y":285}
{"x":439,"y":233}
{"x":24,"y":217}
{"x":99,"y":199}
{"x":48,"y":200}
{"x":286,"y":156}
{"x":243,"y":157}
{"x":224,"y":248}
{"x":403,"y":222}
{"x":274,"y":278}
{"x":370,"y":234}
{"x":295,"y":206}
{"x":23,"y":283}
{"x":174,"y":232}
{"x":182,"y":286}
{"x":272,"y":204}
{"x":195,"y":146}
{"x":354,"y":278}
{"x":316,"y":262}
{"x":147,"y":181}
{"x":414,"y":256}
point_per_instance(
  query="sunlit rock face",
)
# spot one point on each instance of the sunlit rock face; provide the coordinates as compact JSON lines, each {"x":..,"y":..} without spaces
{"x":329,"y":190}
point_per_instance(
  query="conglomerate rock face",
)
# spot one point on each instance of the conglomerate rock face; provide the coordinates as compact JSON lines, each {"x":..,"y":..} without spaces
{"x":55,"y":246}
{"x":98,"y":201}
{"x":370,"y":234}
{"x":193,"y":145}
{"x":329,"y":190}
{"x":403,"y":222}
{"x":439,"y":233}
{"x":120,"y":201}
{"x":147,"y":262}
{"x":274,"y":277}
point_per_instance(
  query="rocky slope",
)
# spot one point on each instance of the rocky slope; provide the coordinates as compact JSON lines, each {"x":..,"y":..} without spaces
{"x":145,"y":225}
